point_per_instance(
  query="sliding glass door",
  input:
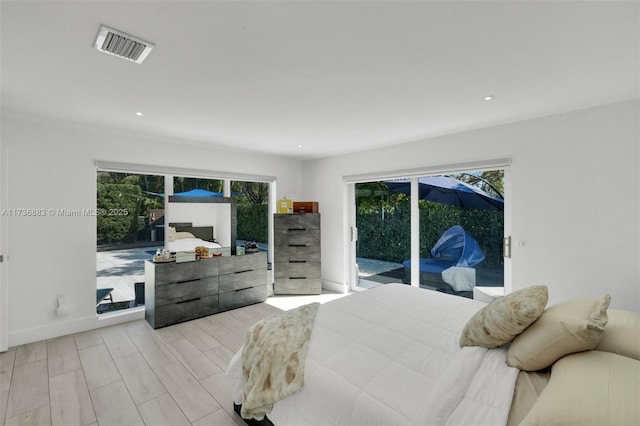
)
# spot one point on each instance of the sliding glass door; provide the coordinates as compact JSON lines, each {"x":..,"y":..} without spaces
{"x":383,"y":220}
{"x":448,"y":239}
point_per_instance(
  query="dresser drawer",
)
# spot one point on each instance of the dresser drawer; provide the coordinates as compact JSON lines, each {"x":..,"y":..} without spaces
{"x":293,"y":252}
{"x":297,"y":286}
{"x":240,"y":280}
{"x":185,"y":310}
{"x":297,"y":221}
{"x":246,"y":296}
{"x":173,"y":272}
{"x":296,"y":237}
{"x":248,"y":262}
{"x":180,"y":291}
{"x":297,"y":269}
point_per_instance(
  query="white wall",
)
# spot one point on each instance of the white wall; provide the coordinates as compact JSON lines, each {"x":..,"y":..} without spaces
{"x":575,"y":204}
{"x":51,"y":166}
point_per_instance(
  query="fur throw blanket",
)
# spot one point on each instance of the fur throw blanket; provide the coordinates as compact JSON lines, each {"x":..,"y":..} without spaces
{"x":273,"y":359}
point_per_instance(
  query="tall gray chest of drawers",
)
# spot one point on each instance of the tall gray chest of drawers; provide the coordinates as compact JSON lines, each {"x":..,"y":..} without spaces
{"x":176,"y":292}
{"x":296,"y":255}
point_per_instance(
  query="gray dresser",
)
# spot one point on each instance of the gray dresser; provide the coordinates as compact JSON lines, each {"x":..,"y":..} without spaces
{"x":296,"y":255}
{"x":177,"y":292}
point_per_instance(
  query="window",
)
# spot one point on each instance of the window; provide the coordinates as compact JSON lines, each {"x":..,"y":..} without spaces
{"x":452,"y":231}
{"x":134,"y":198}
{"x":252,"y":213}
{"x":129,"y":207}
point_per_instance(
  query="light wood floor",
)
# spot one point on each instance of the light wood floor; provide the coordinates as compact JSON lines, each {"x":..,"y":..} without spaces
{"x":128,"y":374}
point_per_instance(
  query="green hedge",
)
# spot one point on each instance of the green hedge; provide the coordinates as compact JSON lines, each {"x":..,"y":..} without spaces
{"x":387,"y":236}
{"x":253,"y":222}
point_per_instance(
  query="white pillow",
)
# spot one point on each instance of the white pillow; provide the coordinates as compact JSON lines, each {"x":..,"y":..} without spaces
{"x":172,"y":233}
{"x":182,"y":235}
{"x":589,"y":388}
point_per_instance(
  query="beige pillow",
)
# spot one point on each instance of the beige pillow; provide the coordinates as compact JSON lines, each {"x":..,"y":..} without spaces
{"x":622,"y":334}
{"x":503,"y":319}
{"x":589,"y":388}
{"x":562,"y":329}
{"x":181,"y":235}
{"x":172,"y":233}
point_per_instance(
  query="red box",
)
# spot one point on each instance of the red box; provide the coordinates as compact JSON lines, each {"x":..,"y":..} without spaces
{"x":305,"y":207}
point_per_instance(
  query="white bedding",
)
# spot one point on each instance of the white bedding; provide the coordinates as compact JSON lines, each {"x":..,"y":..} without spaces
{"x":190,"y":244}
{"x":390,"y":355}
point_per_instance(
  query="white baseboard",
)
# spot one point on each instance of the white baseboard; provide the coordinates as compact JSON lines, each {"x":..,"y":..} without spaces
{"x":79,"y":325}
{"x":335,"y":287}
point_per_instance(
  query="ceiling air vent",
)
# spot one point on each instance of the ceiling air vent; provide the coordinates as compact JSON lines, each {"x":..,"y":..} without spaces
{"x":122,"y":45}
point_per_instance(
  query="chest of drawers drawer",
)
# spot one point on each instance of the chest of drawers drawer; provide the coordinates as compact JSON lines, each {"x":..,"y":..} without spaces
{"x":185,"y":310}
{"x":293,"y":253}
{"x":304,"y":221}
{"x":243,"y":297}
{"x":248,"y":262}
{"x":297,"y":269}
{"x":296,"y":237}
{"x":185,"y":290}
{"x":173,"y":272}
{"x":240,"y":280}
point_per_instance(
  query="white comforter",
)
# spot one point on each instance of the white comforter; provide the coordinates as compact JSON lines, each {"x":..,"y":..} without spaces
{"x":390,"y":356}
{"x":190,"y":244}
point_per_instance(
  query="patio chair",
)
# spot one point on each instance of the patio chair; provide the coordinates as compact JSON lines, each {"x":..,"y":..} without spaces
{"x":455,"y":248}
{"x":103,"y":294}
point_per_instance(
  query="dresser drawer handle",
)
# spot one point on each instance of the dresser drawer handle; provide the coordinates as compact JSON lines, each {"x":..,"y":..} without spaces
{"x":242,"y":272}
{"x":297,"y":229}
{"x":297,"y":245}
{"x":297,"y":278}
{"x":189,"y":300}
{"x":188,"y":281}
{"x":243,"y":289}
{"x":297,"y":261}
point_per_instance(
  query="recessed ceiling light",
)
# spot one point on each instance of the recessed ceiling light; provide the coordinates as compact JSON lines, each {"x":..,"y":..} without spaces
{"x":299,"y":145}
{"x":139,"y":114}
{"x":489,"y":97}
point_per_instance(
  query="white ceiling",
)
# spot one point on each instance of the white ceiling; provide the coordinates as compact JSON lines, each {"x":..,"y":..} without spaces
{"x":333,"y":76}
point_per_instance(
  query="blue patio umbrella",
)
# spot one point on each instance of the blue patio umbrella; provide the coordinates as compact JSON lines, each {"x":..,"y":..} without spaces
{"x":202,"y":193}
{"x":450,"y":191}
{"x":198,"y":193}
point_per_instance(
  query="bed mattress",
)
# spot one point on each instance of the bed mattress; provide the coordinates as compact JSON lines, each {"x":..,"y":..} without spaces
{"x":390,"y":355}
{"x":190,"y":244}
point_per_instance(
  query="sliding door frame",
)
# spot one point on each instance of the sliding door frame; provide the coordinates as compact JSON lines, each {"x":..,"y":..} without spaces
{"x":350,"y":181}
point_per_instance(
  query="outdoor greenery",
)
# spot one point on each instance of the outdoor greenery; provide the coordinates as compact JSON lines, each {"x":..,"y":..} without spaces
{"x":252,"y":210}
{"x":384,"y":222}
{"x":251,"y":201}
{"x":184,"y":184}
{"x":383,"y":217}
{"x":133,"y":196}
{"x":126,"y":200}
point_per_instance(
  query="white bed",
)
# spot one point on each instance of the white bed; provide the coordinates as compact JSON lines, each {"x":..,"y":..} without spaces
{"x":391,"y":355}
{"x":185,"y":240}
{"x":190,"y":244}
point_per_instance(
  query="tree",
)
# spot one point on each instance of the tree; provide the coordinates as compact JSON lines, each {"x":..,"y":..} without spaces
{"x":490,"y":181}
{"x":130,"y":193}
{"x":119,"y":204}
